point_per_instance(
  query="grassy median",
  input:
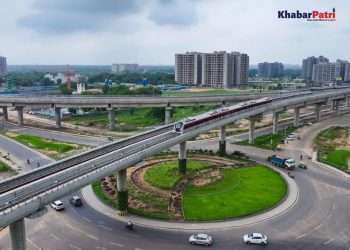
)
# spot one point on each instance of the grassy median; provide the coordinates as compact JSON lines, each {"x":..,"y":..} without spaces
{"x":241,"y":192}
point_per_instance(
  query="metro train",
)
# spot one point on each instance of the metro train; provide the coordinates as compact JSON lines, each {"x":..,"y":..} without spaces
{"x":190,"y":122}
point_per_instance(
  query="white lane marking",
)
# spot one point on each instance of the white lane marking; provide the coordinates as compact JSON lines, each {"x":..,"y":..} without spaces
{"x":116,"y":244}
{"x":82,"y":232}
{"x":74,"y":247}
{"x":55,"y":236}
{"x":86,"y":219}
{"x":105,"y":227}
{"x":138,"y":249}
{"x":33,"y":244}
{"x":102,"y":248}
{"x":328,"y":241}
{"x":300,"y":236}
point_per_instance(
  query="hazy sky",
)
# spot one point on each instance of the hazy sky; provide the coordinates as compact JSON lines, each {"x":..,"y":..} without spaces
{"x":152,"y":31}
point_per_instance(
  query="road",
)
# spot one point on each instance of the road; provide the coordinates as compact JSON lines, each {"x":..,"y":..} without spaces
{"x":319,"y":220}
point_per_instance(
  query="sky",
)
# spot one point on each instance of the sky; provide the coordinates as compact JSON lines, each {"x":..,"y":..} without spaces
{"x":102,"y":32}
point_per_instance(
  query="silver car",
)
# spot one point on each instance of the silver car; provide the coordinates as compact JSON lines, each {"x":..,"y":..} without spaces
{"x":201,"y":239}
{"x":255,"y":238}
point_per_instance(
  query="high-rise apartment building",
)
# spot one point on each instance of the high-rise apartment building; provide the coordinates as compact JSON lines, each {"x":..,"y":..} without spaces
{"x":124,"y":67}
{"x":347,"y":72}
{"x":218,"y":69}
{"x":3,"y":65}
{"x":326,"y":72}
{"x":270,"y":70}
{"x":188,"y":68}
{"x":308,"y":64}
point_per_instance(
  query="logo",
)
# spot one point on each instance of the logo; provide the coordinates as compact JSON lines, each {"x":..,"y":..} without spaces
{"x":314,"y":15}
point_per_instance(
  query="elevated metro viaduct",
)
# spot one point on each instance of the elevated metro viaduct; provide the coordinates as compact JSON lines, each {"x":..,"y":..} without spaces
{"x":112,"y":103}
{"x":23,"y":195}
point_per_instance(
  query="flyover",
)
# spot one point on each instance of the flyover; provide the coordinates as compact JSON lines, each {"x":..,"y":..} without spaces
{"x":111,"y":103}
{"x":25,"y":194}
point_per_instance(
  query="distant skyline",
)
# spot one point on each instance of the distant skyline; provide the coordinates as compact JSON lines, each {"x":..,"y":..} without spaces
{"x":95,"y":32}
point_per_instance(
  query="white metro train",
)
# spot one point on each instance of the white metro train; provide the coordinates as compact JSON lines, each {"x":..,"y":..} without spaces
{"x":220,"y":113}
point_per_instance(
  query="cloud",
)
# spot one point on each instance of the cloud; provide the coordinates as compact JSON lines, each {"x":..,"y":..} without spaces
{"x":70,"y":16}
{"x":174,"y":12}
{"x":67,"y":16}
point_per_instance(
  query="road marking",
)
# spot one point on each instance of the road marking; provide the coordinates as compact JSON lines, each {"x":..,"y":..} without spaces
{"x":86,"y":219}
{"x":105,"y":227}
{"x":102,"y":248}
{"x":328,"y":241}
{"x":54,"y":236}
{"x":300,"y":236}
{"x":138,"y":249}
{"x":82,"y":232}
{"x":33,"y":244}
{"x":74,"y":247}
{"x":116,"y":244}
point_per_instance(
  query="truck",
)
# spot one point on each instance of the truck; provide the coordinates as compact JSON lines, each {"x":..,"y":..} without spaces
{"x":287,"y":163}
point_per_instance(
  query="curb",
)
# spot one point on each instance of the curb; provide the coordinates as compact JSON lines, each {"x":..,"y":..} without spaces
{"x":329,"y":167}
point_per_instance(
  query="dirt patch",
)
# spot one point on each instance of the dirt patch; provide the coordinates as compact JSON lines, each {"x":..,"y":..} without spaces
{"x":207,"y":178}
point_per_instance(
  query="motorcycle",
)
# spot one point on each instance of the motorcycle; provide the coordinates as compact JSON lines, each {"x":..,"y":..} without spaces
{"x":129,"y":225}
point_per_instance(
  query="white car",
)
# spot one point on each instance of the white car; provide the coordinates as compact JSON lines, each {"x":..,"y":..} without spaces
{"x":255,"y":238}
{"x":57,"y":205}
{"x":201,"y":239}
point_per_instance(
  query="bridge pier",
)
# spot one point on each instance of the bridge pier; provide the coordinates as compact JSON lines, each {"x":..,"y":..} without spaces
{"x":18,"y":235}
{"x":58,"y":117}
{"x":296,"y":116}
{"x":275,"y":116}
{"x":251,"y":129}
{"x":318,"y":112}
{"x":168,"y":111}
{"x":5,"y":113}
{"x":122,"y":189}
{"x":182,"y":158}
{"x":222,"y":141}
{"x":111,"y":118}
{"x":348,"y":101}
{"x":20,"y":121}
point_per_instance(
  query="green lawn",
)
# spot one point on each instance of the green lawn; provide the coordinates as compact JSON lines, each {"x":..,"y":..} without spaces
{"x":4,"y":167}
{"x":52,"y":148}
{"x":329,"y":151}
{"x":241,"y":192}
{"x":269,"y":141}
{"x":183,"y":112}
{"x":165,"y":174}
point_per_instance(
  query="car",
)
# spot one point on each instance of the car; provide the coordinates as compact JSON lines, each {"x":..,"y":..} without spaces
{"x":302,"y":165}
{"x":76,"y":201}
{"x":201,"y":239}
{"x":57,"y":205}
{"x":255,"y":238}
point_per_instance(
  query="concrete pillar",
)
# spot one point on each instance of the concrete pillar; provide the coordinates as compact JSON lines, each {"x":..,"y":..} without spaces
{"x":168,"y":111}
{"x":296,"y":117}
{"x":275,"y":116}
{"x":122,"y":189}
{"x":182,"y":158}
{"x":111,"y":119}
{"x":318,"y":112}
{"x":58,"y":117}
{"x":222,"y":141}
{"x":5,"y":113}
{"x":18,"y":235}
{"x":251,"y":130}
{"x":20,"y":115}
{"x":348,"y":101}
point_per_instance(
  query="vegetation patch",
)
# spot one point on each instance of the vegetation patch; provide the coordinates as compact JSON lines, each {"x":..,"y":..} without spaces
{"x":270,"y":141}
{"x":240,"y":192}
{"x":49,"y":147}
{"x":333,"y":146}
{"x":165,"y":175}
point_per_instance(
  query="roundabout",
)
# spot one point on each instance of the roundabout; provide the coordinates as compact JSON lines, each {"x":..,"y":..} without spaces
{"x":215,"y":193}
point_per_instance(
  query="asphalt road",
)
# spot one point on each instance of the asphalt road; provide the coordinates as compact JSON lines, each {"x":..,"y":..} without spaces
{"x":319,"y":220}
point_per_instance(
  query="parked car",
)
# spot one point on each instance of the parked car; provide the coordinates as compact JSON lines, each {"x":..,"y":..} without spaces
{"x":302,"y":165}
{"x":76,"y":201}
{"x":255,"y":238}
{"x":57,"y":205}
{"x":201,"y":239}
